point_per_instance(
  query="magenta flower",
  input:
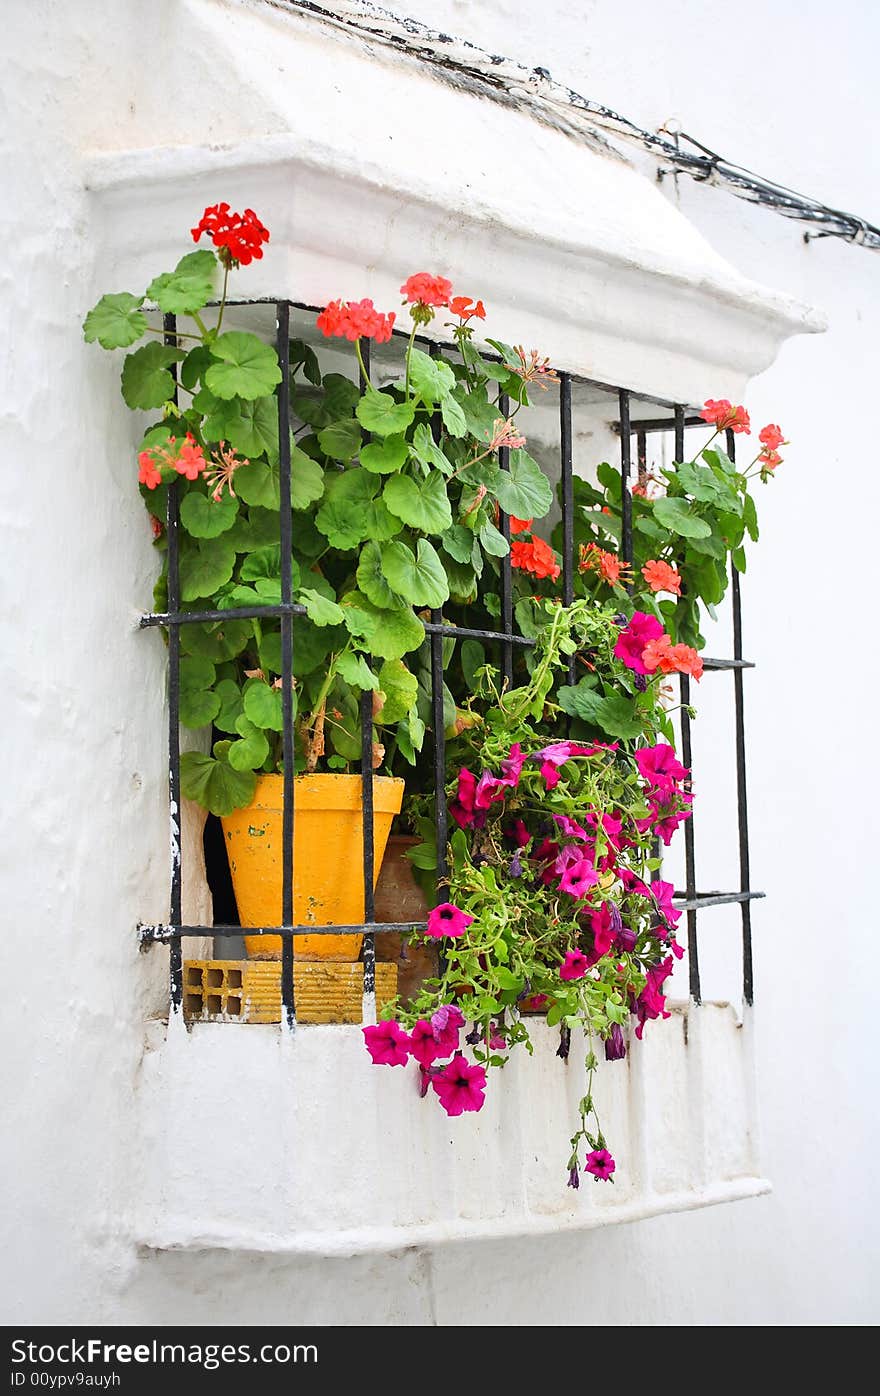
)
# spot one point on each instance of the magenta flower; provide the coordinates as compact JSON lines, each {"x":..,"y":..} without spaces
{"x":651,"y":1003}
{"x":489,"y":789}
{"x":462,"y":807}
{"x":578,"y":878}
{"x":560,"y":752}
{"x":387,"y":1044}
{"x":570,"y":826}
{"x":497,"y":1040}
{"x":600,"y":1164}
{"x":574,"y":966}
{"x":424,"y":1046}
{"x":550,"y":774}
{"x":512,"y":765}
{"x":631,"y":642}
{"x":659,"y":767}
{"x":669,"y":812}
{"x":663,"y":893}
{"x":460,"y":1086}
{"x":518,"y":833}
{"x":447,"y":920}
{"x":445,"y":1025}
{"x":603,"y":931}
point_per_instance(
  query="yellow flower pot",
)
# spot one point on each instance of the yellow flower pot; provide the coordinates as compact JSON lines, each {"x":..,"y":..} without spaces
{"x":327,"y":859}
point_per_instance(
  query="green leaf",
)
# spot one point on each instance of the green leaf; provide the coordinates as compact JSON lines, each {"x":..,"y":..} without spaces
{"x":718,"y":457}
{"x":458,"y":542}
{"x":478,"y":413}
{"x":306,"y":480}
{"x":341,"y":440}
{"x":204,"y":517}
{"x":342,"y":517}
{"x":677,"y":516}
{"x":372,"y":581}
{"x":146,"y":382}
{"x":384,"y":457}
{"x":217,"y":640}
{"x":615,"y":713}
{"x":214,"y":784}
{"x":194,"y":365}
{"x":494,"y":542}
{"x":196,"y":672}
{"x":302,"y":355}
{"x":248,"y":368}
{"x":252,"y":427}
{"x":320,"y":610}
{"x":454,"y":418}
{"x":738,"y":557}
{"x":198,"y":708}
{"x":265,"y":562}
{"x":417,"y":577}
{"x":427,"y":452}
{"x":422,"y":504}
{"x":341,"y":396}
{"x":206,"y":568}
{"x":356,"y":671}
{"x":116,"y":321}
{"x":431,"y":379}
{"x":389,"y":634}
{"x":380,"y":414}
{"x":252,"y":748}
{"x":189,"y":287}
{"x":524,"y":489}
{"x":262,"y":705}
{"x":258,"y":483}
{"x":400,"y":688}
{"x":473,"y":657}
{"x":750,"y":517}
{"x":231,"y":708}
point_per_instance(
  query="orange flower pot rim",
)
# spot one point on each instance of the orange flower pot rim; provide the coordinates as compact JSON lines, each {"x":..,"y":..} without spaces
{"x":328,"y":791}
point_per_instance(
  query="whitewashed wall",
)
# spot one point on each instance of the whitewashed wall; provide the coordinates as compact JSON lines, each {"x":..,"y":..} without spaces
{"x":84,"y":847}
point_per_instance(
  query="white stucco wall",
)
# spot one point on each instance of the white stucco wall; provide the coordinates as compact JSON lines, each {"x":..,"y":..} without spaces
{"x":84,"y":853}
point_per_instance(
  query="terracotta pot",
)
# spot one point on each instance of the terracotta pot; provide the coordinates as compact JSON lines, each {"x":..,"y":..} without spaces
{"x":400,"y":898}
{"x":327,"y":859}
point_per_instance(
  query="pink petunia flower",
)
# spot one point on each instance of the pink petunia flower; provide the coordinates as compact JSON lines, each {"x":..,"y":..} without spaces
{"x":462,"y":808}
{"x":512,"y":765}
{"x":600,"y":1164}
{"x":603,"y":930}
{"x":447,"y":920}
{"x":574,"y":966}
{"x":651,"y":1003}
{"x":578,"y":878}
{"x":662,"y":893}
{"x":460,"y":1086}
{"x":659,"y":767}
{"x":570,"y":827}
{"x":632,"y":640}
{"x":446,"y":1022}
{"x":387,"y":1044}
{"x":423,"y":1045}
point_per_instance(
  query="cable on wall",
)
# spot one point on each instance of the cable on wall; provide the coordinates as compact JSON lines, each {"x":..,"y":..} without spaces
{"x":533,"y":88}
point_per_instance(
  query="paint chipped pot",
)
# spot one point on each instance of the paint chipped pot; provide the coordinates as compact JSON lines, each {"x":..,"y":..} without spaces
{"x":328,"y":884}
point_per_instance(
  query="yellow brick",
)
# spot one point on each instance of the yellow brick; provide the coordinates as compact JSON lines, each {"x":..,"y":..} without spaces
{"x":249,"y":991}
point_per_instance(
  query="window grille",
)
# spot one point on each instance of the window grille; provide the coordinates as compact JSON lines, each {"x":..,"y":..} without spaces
{"x":676,"y":421}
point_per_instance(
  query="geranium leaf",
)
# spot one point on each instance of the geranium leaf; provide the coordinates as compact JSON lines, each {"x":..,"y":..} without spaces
{"x":194,"y":365}
{"x":524,"y":489}
{"x":146,"y":382}
{"x":252,"y":427}
{"x":677,"y":516}
{"x":454,"y":418}
{"x":213,"y":783}
{"x":458,"y":542}
{"x":204,"y":517}
{"x":356,"y":671}
{"x":217,"y":640}
{"x":252,"y":748}
{"x":189,"y":287}
{"x":320,"y":610}
{"x":306,"y":479}
{"x":418,"y":577}
{"x":431,"y":379}
{"x":372,"y":580}
{"x":341,"y":396}
{"x":262,"y":705}
{"x":231,"y":708}
{"x":384,"y":457}
{"x":247,"y":367}
{"x":116,"y":321}
{"x":388,"y":634}
{"x":341,"y":440}
{"x":493,"y":541}
{"x":198,"y":708}
{"x":342,"y":517}
{"x":420,"y":504}
{"x":426,"y":450}
{"x":206,"y":568}
{"x":400,"y":688}
{"x":380,"y":414}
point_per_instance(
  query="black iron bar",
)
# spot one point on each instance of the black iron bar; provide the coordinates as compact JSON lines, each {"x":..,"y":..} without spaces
{"x":288,"y":871}
{"x":689,"y":856}
{"x":172,"y":523}
{"x":177,"y":617}
{"x":171,"y":932}
{"x":567,"y":482}
{"x":367,"y":814}
{"x":441,"y":813}
{"x":720,"y":664}
{"x":742,"y":809}
{"x":648,"y":425}
{"x":626,"y":541}
{"x":506,"y":573}
{"x":702,"y":899}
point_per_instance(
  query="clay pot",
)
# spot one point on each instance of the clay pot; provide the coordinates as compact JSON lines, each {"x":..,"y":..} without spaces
{"x":400,"y":898}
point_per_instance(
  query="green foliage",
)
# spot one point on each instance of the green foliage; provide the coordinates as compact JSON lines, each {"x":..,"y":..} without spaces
{"x":188,"y":288}
{"x":116,"y":321}
{"x":146,"y":381}
{"x":245,"y":367}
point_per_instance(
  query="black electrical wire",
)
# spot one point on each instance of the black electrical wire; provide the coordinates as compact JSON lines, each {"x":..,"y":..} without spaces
{"x":533,"y":87}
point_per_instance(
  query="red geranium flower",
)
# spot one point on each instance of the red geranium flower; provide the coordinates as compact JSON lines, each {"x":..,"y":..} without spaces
{"x":464,"y":308}
{"x":726,"y":417}
{"x":536,"y":557}
{"x":238,"y":236}
{"x":771,"y":436}
{"x":425,"y":289}
{"x":661,"y":577}
{"x":355,"y":320}
{"x":520,"y":525}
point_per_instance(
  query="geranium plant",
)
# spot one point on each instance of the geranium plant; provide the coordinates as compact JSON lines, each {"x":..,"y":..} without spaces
{"x":396,"y":492}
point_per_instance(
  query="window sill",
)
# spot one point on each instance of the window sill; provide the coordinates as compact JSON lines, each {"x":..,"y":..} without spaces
{"x":317,"y":1152}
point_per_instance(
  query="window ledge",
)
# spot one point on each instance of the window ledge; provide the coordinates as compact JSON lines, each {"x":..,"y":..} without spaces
{"x":572,"y":248}
{"x":317,"y":1152}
